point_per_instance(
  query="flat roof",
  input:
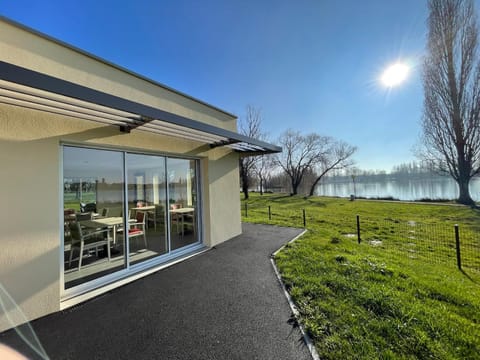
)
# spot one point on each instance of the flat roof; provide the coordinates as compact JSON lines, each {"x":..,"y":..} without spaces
{"x":31,"y":89}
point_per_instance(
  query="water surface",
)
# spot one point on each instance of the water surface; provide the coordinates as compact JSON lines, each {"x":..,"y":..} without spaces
{"x":405,"y":189}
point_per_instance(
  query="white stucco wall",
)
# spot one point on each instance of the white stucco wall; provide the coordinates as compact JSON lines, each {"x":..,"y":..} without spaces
{"x":223,"y":182}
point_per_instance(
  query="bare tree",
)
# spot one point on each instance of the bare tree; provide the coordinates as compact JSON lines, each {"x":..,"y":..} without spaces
{"x":263,"y":170}
{"x":353,"y":172}
{"x":337,"y":156}
{"x":451,"y":81}
{"x":300,"y":154}
{"x":250,"y":126}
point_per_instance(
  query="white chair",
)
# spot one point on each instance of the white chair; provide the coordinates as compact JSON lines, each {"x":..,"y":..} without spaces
{"x":83,"y":240}
{"x":137,"y":228}
{"x":176,"y":218}
{"x":104,"y":212}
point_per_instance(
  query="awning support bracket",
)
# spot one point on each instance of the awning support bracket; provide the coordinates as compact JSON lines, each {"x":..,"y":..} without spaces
{"x":223,"y":143}
{"x":139,"y":122}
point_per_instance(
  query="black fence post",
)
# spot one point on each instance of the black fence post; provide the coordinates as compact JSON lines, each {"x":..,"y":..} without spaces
{"x":457,"y":246}
{"x":358,"y":228}
{"x":246,"y":210}
{"x":269,"y":212}
{"x":304,"y":219}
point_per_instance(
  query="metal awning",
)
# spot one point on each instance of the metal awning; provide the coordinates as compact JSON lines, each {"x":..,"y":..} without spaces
{"x":30,"y":89}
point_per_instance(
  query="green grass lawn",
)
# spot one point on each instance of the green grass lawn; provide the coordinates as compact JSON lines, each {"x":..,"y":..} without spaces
{"x":396,"y":295}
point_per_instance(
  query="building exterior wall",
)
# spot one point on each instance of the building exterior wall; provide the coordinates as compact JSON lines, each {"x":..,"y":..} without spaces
{"x":32,"y":51}
{"x":30,"y":156}
{"x":30,"y":236}
{"x":223,"y":182}
{"x":31,"y":161}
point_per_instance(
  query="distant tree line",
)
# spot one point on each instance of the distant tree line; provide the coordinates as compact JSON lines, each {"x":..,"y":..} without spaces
{"x":276,"y":180}
{"x":305,"y":160}
{"x":401,"y":172}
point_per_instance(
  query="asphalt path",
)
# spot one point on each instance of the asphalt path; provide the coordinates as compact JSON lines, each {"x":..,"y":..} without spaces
{"x":225,"y":303}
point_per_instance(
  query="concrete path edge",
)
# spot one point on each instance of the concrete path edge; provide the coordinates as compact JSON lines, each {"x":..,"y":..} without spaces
{"x":293,"y":307}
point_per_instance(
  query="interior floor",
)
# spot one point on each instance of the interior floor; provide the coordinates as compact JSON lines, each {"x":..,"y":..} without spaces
{"x":95,"y":262}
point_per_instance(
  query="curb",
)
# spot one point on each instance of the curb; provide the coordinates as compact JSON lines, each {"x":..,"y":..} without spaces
{"x":293,"y":307}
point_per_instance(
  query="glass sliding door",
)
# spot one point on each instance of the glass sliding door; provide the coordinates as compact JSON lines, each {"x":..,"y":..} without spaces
{"x":121,"y":209}
{"x":93,"y":196}
{"x":182,"y":199}
{"x":146,"y":188}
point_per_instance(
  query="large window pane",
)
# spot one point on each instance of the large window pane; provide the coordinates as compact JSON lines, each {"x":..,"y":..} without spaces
{"x":182,"y":192}
{"x":146,"y":204}
{"x":93,"y":213}
{"x":159,"y":215}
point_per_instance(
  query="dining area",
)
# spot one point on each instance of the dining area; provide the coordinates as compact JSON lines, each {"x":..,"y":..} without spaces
{"x":97,"y":242}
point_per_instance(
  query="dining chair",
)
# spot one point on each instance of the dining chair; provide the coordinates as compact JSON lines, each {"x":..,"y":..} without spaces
{"x":84,"y":241}
{"x":68,"y":217}
{"x":190,"y":221}
{"x":83,"y":216}
{"x":151,"y":216}
{"x":137,"y":228}
{"x":175,"y":218}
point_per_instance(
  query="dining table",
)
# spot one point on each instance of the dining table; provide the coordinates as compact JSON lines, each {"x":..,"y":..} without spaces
{"x":182,"y":212}
{"x":144,"y":208}
{"x":109,"y":222}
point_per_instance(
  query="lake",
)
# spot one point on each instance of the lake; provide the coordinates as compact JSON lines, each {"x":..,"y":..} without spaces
{"x":405,"y":189}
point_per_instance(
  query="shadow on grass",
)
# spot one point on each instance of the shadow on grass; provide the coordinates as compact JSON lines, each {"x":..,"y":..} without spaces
{"x":292,"y":199}
{"x":280,"y":197}
{"x":312,"y":201}
{"x":474,"y":280}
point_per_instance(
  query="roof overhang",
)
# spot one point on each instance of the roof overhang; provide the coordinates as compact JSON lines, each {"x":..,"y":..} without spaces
{"x":30,"y":89}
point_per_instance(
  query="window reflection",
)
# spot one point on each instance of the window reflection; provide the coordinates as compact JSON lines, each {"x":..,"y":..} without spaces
{"x":160,"y":214}
{"x":182,"y":185}
{"x":93,"y":194}
{"x":146,"y":205}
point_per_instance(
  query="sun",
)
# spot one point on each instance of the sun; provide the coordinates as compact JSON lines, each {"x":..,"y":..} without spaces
{"x":395,"y":74}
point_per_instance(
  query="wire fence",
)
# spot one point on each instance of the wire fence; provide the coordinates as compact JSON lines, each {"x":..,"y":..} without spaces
{"x":453,"y":245}
{"x":440,"y":243}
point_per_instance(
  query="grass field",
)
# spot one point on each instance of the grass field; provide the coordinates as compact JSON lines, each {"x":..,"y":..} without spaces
{"x":396,"y":295}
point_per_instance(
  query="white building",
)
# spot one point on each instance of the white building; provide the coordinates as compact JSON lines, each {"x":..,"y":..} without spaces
{"x":106,"y":175}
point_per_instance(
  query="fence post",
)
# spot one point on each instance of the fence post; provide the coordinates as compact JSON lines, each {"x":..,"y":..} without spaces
{"x":358,"y":228}
{"x":246,"y":210}
{"x":457,"y":246}
{"x":269,"y":212}
{"x":304,"y":219}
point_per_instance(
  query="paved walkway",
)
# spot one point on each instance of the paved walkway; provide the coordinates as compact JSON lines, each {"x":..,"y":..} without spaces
{"x":223,"y":304}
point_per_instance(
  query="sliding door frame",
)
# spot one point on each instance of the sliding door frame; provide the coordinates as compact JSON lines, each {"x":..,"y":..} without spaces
{"x":130,"y":270}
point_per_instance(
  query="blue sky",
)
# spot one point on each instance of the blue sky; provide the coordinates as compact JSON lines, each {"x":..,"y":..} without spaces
{"x":311,"y":65}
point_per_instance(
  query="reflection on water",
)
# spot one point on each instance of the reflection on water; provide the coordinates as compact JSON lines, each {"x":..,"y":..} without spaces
{"x":414,"y":189}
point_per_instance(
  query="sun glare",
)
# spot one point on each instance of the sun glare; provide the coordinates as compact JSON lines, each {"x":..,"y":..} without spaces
{"x":395,"y":74}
